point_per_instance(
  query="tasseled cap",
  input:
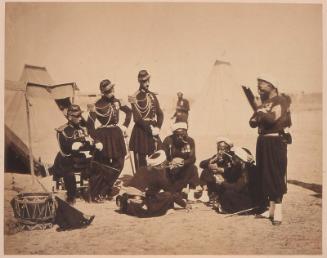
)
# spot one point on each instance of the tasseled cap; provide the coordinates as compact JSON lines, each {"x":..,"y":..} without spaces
{"x":106,"y":85}
{"x":143,"y":75}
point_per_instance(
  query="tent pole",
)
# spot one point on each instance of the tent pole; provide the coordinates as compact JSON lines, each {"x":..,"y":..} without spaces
{"x":29,"y":137}
{"x":73,"y":98}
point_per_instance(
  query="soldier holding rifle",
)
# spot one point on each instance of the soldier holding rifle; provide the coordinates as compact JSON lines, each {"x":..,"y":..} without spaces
{"x":271,"y":118}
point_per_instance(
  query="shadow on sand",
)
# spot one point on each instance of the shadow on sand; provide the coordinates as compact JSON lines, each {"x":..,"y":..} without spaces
{"x":313,"y":187}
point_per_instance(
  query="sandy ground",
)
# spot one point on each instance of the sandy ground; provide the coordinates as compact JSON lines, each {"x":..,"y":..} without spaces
{"x":201,"y":231}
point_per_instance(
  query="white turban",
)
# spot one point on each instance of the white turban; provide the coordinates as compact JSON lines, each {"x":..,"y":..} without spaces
{"x":226,"y":140}
{"x":268,"y":78}
{"x":242,"y":154}
{"x":179,"y":125}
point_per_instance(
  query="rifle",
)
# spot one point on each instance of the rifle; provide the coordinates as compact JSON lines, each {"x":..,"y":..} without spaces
{"x":250,"y":97}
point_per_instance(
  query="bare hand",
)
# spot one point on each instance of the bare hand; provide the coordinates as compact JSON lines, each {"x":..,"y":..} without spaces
{"x":132,"y":99}
{"x":219,"y":179}
{"x":155,"y":130}
{"x":76,"y":145}
{"x":188,"y":207}
{"x":99,"y":146}
{"x":124,"y":130}
{"x":213,"y":167}
{"x":257,"y":101}
{"x":263,"y":110}
{"x":178,"y":162}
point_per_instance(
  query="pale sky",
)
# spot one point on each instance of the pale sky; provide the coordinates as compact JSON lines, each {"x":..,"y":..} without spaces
{"x":177,"y":42}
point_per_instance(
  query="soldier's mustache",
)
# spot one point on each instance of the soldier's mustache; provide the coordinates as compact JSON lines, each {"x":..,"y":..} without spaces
{"x":145,"y":88}
{"x":110,"y":96}
{"x":181,"y":140}
{"x":264,"y":96}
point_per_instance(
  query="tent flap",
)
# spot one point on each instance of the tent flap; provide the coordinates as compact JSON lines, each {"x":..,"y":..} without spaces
{"x":45,"y":115}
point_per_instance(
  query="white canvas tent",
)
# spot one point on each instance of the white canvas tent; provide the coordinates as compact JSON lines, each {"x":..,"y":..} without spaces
{"x":222,"y":108}
{"x":32,"y":114}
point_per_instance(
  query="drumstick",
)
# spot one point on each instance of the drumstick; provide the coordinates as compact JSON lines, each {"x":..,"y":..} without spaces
{"x":43,"y":187}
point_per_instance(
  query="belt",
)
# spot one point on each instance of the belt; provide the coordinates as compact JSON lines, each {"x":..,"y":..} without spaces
{"x":149,"y":119}
{"x":270,"y":134}
{"x":107,"y":126}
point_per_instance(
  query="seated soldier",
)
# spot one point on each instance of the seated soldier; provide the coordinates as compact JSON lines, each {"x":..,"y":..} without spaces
{"x":237,"y":189}
{"x":73,"y":141}
{"x":214,"y":167}
{"x":150,"y":192}
{"x":180,"y":152}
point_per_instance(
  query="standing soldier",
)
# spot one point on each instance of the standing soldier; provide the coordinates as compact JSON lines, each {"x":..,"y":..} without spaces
{"x":148,"y":118}
{"x":272,"y":118}
{"x":105,"y":112}
{"x":182,"y":109}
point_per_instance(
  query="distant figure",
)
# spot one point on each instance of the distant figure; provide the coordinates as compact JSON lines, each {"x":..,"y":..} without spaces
{"x":148,"y":118}
{"x":180,"y":152}
{"x":182,"y":109}
{"x":73,"y":139}
{"x":103,"y":127}
{"x":272,"y":118}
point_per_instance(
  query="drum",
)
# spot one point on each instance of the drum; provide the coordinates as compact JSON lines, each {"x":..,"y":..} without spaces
{"x":35,"y":209}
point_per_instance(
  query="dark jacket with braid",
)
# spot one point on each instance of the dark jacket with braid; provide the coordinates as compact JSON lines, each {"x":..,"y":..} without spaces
{"x":146,"y":113}
{"x":67,"y":159}
{"x":106,"y":112}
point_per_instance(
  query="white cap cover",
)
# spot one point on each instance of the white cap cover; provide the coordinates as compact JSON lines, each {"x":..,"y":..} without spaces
{"x":268,"y":78}
{"x":226,"y":140}
{"x":179,"y":125}
{"x":242,"y":154}
{"x":156,"y":158}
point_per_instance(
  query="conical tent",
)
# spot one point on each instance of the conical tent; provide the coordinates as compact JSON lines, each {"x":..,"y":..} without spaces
{"x":33,"y":101}
{"x":36,"y":74}
{"x":222,"y":108}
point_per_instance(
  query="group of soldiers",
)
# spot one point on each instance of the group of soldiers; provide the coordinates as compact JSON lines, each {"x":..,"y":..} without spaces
{"x":166,"y":173}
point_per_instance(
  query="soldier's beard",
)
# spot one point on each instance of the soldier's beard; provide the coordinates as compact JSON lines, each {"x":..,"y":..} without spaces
{"x":74,"y":122}
{"x":180,"y":141}
{"x":264,"y":96}
{"x":110,"y":96}
{"x":219,"y":157}
{"x":144,"y":88}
